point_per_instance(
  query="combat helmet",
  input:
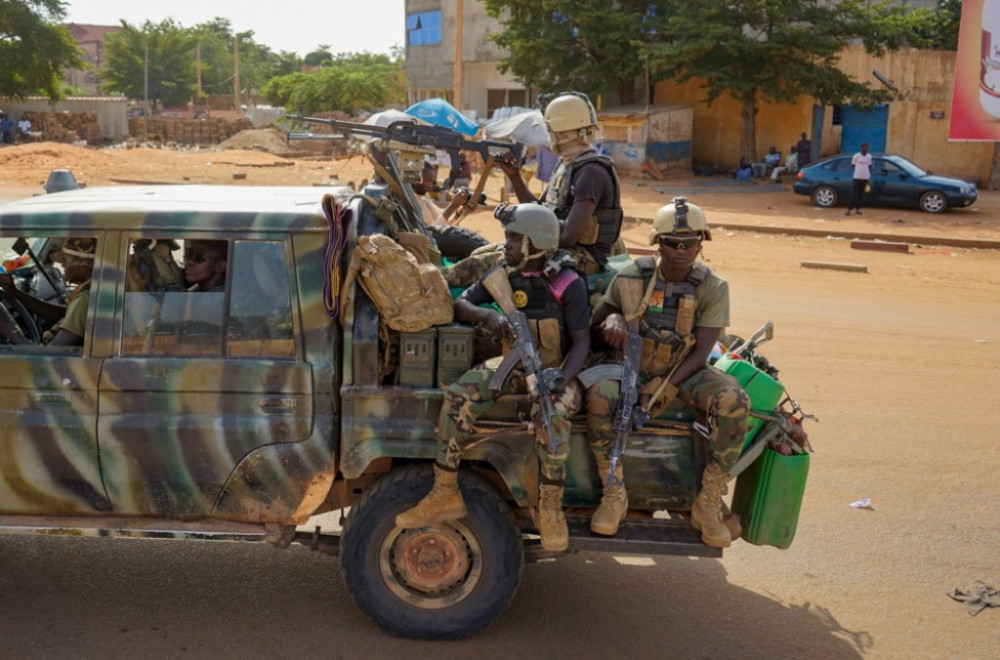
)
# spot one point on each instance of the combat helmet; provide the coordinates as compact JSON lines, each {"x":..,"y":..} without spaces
{"x":533,"y":220}
{"x":569,"y":112}
{"x":679,"y":217}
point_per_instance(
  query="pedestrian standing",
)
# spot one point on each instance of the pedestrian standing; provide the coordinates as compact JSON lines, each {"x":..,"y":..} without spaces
{"x":804,"y":149}
{"x":862,"y":162}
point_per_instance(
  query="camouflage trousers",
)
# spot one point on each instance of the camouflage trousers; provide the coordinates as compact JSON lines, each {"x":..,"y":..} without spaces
{"x":714,"y":394}
{"x":469,"y":397}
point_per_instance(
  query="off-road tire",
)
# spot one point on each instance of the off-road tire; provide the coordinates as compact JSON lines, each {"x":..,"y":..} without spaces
{"x":456,"y":243}
{"x":488,"y":535}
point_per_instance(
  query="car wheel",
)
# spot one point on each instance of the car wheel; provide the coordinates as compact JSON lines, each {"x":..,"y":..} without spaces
{"x":933,"y":201}
{"x":825,"y":196}
{"x":22,"y":317}
{"x":445,"y":581}
{"x":456,"y":243}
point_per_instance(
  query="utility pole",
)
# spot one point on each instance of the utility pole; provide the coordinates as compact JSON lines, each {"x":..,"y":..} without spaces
{"x":457,"y":83}
{"x":145,"y":91}
{"x":197,"y":56}
{"x":236,"y":76}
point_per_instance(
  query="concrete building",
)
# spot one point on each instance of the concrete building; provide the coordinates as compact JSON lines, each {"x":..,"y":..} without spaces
{"x":431,"y":27}
{"x":90,"y":39}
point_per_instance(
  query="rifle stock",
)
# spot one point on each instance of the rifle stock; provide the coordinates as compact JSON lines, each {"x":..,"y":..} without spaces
{"x":628,"y":415}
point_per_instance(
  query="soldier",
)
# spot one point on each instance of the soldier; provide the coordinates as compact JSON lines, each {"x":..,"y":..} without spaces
{"x":558,"y":310}
{"x":70,"y":321}
{"x":680,"y":307}
{"x":584,"y":191}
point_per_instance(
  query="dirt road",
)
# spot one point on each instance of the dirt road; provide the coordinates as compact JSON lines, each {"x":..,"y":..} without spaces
{"x":901,"y":364}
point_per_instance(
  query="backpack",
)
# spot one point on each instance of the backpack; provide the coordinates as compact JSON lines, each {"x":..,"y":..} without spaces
{"x":410,"y":296}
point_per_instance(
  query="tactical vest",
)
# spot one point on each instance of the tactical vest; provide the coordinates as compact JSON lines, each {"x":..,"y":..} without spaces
{"x":668,"y":315}
{"x":533,"y":296}
{"x":605,"y":225}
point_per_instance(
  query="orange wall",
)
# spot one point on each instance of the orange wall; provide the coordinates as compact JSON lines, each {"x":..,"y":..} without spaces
{"x":923,"y":79}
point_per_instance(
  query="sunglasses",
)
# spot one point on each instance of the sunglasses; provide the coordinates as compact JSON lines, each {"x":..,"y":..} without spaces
{"x":673,"y":243}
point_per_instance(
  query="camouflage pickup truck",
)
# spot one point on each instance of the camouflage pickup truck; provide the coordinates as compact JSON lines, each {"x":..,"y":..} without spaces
{"x":239,"y":412}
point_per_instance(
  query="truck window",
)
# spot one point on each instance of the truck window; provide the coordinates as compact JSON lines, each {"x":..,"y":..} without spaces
{"x":243,"y":310}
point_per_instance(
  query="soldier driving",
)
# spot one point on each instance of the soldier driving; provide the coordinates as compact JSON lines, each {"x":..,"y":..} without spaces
{"x":77,"y":255}
{"x":679,"y":306}
{"x":556,"y":306}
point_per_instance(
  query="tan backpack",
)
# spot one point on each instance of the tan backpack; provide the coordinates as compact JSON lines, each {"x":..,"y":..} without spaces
{"x":410,"y":296}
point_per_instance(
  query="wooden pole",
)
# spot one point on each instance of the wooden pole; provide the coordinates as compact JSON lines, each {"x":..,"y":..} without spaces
{"x":457,"y":83}
{"x":236,"y":76}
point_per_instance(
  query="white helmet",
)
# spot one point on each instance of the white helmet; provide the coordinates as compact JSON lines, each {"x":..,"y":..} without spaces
{"x":569,"y":112}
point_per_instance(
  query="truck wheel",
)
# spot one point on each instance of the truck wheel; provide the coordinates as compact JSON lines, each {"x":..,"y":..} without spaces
{"x":456,"y":243}
{"x":440,"y":582}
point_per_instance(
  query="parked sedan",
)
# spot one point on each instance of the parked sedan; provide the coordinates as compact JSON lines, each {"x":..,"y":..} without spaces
{"x":895,"y":181}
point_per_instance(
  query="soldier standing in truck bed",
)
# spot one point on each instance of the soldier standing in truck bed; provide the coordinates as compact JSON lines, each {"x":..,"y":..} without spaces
{"x":584,"y":191}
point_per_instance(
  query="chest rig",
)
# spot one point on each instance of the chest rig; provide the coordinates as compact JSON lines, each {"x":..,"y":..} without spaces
{"x":667,"y":314}
{"x":534,"y":297}
{"x":604,"y":225}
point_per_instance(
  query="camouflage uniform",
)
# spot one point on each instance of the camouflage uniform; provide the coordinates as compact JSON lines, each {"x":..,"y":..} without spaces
{"x":710,"y":391}
{"x":716,"y":395}
{"x":469,"y":397}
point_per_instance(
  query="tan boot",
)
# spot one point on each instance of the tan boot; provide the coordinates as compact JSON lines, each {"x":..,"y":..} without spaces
{"x":551,"y":521}
{"x":614,"y":503}
{"x":733,"y":522}
{"x":706,"y":514}
{"x":442,"y":504}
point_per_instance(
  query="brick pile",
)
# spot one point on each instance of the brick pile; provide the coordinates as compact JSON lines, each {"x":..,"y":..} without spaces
{"x":181,"y":130}
{"x":66,"y":127}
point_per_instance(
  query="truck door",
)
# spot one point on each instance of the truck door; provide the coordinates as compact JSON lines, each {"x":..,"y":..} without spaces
{"x":202,"y":378}
{"x":48,"y":399}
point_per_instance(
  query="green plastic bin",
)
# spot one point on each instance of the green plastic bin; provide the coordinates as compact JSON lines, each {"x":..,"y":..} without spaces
{"x":768,"y":498}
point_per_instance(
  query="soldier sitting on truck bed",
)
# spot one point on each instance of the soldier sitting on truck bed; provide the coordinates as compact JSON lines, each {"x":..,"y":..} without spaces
{"x":558,"y":310}
{"x":682,"y":307}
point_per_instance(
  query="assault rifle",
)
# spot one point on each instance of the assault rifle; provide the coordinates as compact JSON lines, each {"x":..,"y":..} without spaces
{"x":629,"y":415}
{"x":405,"y":135}
{"x":526,"y":353}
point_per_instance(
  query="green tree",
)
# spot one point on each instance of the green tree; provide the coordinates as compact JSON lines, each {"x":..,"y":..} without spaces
{"x":350,"y":82}
{"x":583,"y":45}
{"x":937,"y":29}
{"x":319,"y":57}
{"x":171,"y":75}
{"x":778,"y":50}
{"x":34,"y":49}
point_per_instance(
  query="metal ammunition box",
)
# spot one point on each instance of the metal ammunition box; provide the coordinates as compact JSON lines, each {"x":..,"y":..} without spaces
{"x":417,"y":358}
{"x":455,"y":350}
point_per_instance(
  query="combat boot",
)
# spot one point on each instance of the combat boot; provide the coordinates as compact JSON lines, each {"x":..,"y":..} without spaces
{"x":733,"y":522}
{"x":444,"y":503}
{"x":706,"y":514}
{"x":551,"y":521}
{"x":614,"y":503}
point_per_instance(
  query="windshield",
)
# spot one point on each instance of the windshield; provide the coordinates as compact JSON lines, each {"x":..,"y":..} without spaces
{"x":909,"y":167}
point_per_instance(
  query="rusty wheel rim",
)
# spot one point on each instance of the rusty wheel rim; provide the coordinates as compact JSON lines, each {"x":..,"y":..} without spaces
{"x":431,"y":567}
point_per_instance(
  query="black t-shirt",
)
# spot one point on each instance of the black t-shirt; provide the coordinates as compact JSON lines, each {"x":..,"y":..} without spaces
{"x":575,"y":302}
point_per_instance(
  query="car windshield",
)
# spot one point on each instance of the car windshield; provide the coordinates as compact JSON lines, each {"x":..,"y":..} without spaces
{"x":909,"y":167}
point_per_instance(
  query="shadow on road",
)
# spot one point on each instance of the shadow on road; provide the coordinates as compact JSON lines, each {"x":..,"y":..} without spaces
{"x":90,"y":598}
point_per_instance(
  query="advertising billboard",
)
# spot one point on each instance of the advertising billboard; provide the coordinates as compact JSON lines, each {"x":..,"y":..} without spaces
{"x":975,"y":106}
